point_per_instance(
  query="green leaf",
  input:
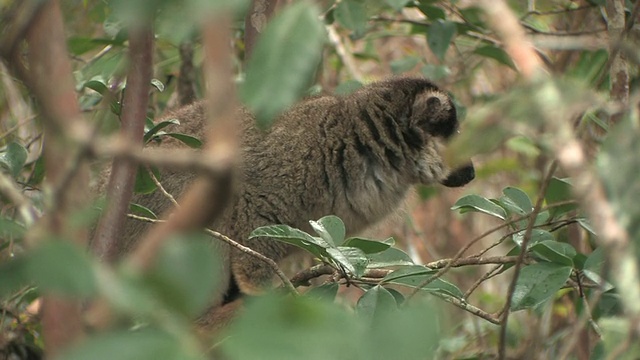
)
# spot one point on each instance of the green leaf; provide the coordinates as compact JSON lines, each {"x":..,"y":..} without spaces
{"x":618,"y":168}
{"x":403,"y":65}
{"x":479,"y":203}
{"x":188,"y":140}
{"x":559,"y":190}
{"x":285,"y":58}
{"x":538,"y":283}
{"x":97,"y":84}
{"x":351,"y":259}
{"x":145,"y":344}
{"x":13,"y":273}
{"x":495,"y":53}
{"x":375,"y":301}
{"x":144,"y":182}
{"x":352,"y":15}
{"x":347,"y":87}
{"x":73,"y":276}
{"x":325,"y":292}
{"x":157,"y":84}
{"x":435,"y":72}
{"x":366,"y":245}
{"x":432,"y":12}
{"x":186,"y":273}
{"x":397,"y":5}
{"x":12,"y":158}
{"x":537,"y":235}
{"x":416,"y":275}
{"x":389,"y":257}
{"x":330,"y":228}
{"x":594,"y":267}
{"x":519,"y":198}
{"x":439,"y":37}
{"x":11,"y":229}
{"x":615,"y":335}
{"x":149,"y":134}
{"x":141,"y":210}
{"x":298,"y":328}
{"x":283,"y":233}
{"x":80,"y":45}
{"x":555,"y":252}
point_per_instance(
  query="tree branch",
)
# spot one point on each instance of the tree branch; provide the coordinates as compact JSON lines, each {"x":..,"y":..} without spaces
{"x":52,"y":84}
{"x":105,"y":243}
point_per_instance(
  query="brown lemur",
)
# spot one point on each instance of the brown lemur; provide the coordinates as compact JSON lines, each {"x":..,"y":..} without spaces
{"x":353,"y":156}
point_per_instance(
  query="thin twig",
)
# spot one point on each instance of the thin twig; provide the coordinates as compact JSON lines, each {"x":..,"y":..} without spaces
{"x":488,"y":275}
{"x":527,"y":237}
{"x":161,"y":188}
{"x":247,"y":250}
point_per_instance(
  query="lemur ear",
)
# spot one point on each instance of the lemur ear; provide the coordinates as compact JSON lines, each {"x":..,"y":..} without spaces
{"x":434,"y":113}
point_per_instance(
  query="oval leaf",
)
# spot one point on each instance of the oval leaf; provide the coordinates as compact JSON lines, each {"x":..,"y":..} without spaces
{"x":375,"y":301}
{"x":284,"y":233}
{"x":352,"y":15}
{"x":495,"y":53}
{"x":72,"y":277}
{"x":537,"y":235}
{"x":186,"y":273}
{"x":351,"y":259}
{"x":188,"y":140}
{"x":481,"y":204}
{"x":537,"y":283}
{"x":389,"y":257}
{"x":366,"y":245}
{"x":330,"y":228}
{"x":439,"y":37}
{"x":13,"y":158}
{"x":555,"y":252}
{"x":519,"y":198}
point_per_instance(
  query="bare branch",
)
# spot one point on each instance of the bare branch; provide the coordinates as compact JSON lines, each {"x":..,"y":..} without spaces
{"x":120,"y":188}
{"x":285,"y":281}
{"x":52,"y":84}
{"x":255,"y":21}
{"x":207,"y":196}
{"x":508,"y":29}
{"x":502,"y":347}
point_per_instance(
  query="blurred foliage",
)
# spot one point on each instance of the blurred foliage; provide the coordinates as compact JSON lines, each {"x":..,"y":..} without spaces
{"x":448,"y":42}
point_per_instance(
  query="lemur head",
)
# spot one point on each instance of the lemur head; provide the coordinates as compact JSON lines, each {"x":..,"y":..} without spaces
{"x":433,"y":121}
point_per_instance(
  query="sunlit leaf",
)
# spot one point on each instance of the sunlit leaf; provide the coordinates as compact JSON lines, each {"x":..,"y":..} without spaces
{"x":330,"y":228}
{"x":537,"y":235}
{"x":478,"y":203}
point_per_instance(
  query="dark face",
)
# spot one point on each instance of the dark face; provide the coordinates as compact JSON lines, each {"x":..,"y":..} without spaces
{"x":436,"y":114}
